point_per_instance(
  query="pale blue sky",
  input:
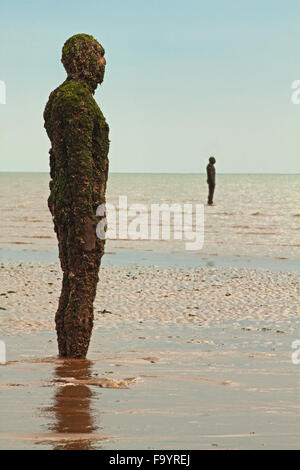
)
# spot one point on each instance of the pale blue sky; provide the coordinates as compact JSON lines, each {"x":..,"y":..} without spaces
{"x":184,"y":80}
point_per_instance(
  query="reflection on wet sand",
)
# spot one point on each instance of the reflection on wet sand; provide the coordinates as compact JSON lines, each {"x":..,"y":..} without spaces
{"x":71,"y":409}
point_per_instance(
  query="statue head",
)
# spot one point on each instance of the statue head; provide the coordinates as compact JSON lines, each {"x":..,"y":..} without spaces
{"x":83,"y":59}
{"x":212,"y":160}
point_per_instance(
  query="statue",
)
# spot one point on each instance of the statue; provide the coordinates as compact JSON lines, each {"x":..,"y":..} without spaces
{"x":211,"y":179}
{"x":78,"y":133}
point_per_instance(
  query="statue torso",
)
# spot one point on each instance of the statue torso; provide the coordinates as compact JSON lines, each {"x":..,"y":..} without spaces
{"x":73,"y":120}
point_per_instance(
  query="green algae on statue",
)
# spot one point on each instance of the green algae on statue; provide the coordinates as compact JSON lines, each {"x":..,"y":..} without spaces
{"x":78,"y":133}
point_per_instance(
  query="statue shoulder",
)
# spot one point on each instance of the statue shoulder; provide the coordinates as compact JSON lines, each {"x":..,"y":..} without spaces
{"x":69,"y":99}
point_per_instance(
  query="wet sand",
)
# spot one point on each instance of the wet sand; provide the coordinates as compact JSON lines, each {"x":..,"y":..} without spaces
{"x":186,"y":358}
{"x":226,"y":388}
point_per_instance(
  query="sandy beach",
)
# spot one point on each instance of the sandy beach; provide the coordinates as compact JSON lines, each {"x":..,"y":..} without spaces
{"x":207,"y":297}
{"x":190,"y":358}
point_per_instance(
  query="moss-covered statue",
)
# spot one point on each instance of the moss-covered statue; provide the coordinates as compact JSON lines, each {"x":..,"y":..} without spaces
{"x":78,"y":168}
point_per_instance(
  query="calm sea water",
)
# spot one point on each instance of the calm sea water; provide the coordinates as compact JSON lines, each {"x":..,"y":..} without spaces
{"x":253,"y":215}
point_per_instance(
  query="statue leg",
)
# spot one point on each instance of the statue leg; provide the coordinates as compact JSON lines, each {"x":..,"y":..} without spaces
{"x":64,"y":296}
{"x":83,"y":270}
{"x":211,"y":189}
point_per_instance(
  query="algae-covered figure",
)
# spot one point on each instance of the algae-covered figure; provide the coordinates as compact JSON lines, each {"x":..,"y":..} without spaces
{"x":78,"y":169}
{"x":211,"y":179}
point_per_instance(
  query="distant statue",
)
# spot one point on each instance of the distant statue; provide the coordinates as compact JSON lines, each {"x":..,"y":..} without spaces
{"x":78,"y":169}
{"x":211,"y":179}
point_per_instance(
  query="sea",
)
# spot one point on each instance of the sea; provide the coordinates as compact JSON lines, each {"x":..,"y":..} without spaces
{"x":255,"y":219}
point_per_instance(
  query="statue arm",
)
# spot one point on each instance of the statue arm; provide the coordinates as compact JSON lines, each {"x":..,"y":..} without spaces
{"x":210,"y":175}
{"x":78,"y":137}
{"x":47,"y":126}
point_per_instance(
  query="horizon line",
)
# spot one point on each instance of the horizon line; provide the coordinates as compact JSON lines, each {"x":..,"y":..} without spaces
{"x":165,"y":173}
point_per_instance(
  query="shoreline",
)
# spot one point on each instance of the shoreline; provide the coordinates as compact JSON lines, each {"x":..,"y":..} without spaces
{"x":123,"y":257}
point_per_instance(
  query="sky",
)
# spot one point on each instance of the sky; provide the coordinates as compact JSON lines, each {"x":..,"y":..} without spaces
{"x":184,"y":80}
